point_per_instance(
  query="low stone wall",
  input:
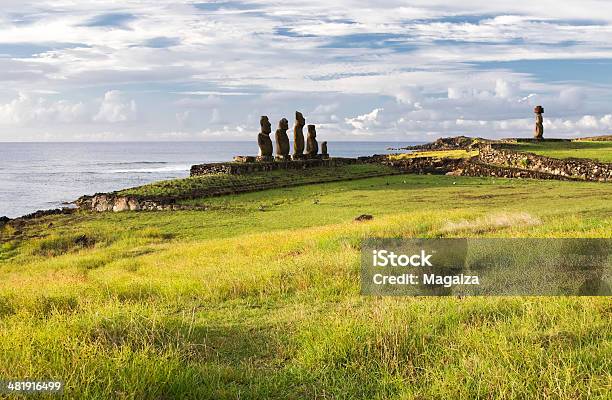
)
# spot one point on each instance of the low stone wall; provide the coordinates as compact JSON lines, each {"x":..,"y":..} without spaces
{"x":534,"y":140}
{"x":475,"y":168}
{"x":505,"y":163}
{"x":425,"y":165}
{"x":583,"y":169}
{"x":238,"y":168}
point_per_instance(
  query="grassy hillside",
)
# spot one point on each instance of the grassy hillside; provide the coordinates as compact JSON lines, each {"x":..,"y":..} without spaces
{"x":216,"y":184}
{"x":598,"y":150}
{"x":258,"y":297}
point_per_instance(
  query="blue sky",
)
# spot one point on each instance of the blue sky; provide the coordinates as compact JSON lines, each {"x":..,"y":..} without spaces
{"x":360,"y":70}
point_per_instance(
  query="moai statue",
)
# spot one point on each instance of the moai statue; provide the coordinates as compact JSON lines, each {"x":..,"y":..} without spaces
{"x":264,"y":141}
{"x":312,"y":147}
{"x":298,"y":136}
{"x":539,"y":127}
{"x":282,"y":140}
{"x":324,"y":154}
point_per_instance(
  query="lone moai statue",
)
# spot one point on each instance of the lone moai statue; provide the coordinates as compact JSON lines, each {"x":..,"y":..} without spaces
{"x":264,"y":141}
{"x":324,"y":154}
{"x":282,"y":140}
{"x":298,"y":136}
{"x":312,"y":147}
{"x":539,"y":127}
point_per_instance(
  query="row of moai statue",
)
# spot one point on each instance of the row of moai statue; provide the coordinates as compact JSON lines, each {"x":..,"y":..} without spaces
{"x":282,"y":141}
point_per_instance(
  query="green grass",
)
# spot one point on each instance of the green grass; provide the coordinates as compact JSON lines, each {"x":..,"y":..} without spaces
{"x":258,"y":297}
{"x":601,"y":150}
{"x":216,"y":184}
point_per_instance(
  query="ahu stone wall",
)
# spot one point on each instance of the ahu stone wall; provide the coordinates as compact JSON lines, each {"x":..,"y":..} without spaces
{"x":424,"y":165}
{"x":475,"y":168}
{"x":241,"y":168}
{"x":573,"y":168}
{"x":503,"y":163}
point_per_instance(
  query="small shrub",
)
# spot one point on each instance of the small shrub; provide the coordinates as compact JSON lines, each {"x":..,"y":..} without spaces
{"x":92,"y":262}
{"x":47,"y":305}
{"x":152,"y":232}
{"x":7,"y":230}
{"x":57,"y":245}
{"x":6,"y":307}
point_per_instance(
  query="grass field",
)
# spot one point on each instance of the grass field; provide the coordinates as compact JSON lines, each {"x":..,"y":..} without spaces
{"x":258,"y":297}
{"x":598,"y":150}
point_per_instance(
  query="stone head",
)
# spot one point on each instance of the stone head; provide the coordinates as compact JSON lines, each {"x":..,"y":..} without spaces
{"x":312,"y":131}
{"x":283,"y":124}
{"x":299,"y":119}
{"x":266,"y":127}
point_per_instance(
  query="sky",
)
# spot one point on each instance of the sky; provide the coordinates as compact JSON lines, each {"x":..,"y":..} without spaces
{"x":93,"y":70}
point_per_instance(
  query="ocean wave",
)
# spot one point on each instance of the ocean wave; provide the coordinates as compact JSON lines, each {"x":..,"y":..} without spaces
{"x":109,"y":163}
{"x":169,"y":168}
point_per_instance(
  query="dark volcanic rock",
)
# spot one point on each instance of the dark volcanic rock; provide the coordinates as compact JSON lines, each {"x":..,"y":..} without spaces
{"x":84,"y":241}
{"x":44,"y":213}
{"x":242,"y":168}
{"x":449,"y":143}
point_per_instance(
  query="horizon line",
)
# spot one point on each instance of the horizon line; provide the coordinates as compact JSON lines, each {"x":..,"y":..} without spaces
{"x":197,"y":141}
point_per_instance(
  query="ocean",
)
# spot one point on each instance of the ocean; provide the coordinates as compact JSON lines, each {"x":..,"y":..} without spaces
{"x":40,"y":176}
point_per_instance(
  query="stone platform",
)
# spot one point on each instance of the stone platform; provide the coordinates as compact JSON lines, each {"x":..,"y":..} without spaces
{"x":533,"y":140}
{"x":240,"y":168}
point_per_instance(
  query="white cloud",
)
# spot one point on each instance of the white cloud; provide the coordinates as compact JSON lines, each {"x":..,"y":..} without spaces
{"x":182,"y":118}
{"x":215,"y":115}
{"x":505,"y":89}
{"x":115,"y":108}
{"x":408,"y":95}
{"x":572,"y":97}
{"x":364,"y":122}
{"x":325,"y":108}
{"x":453,"y":93}
{"x":25,"y":110}
{"x":588,"y":121}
